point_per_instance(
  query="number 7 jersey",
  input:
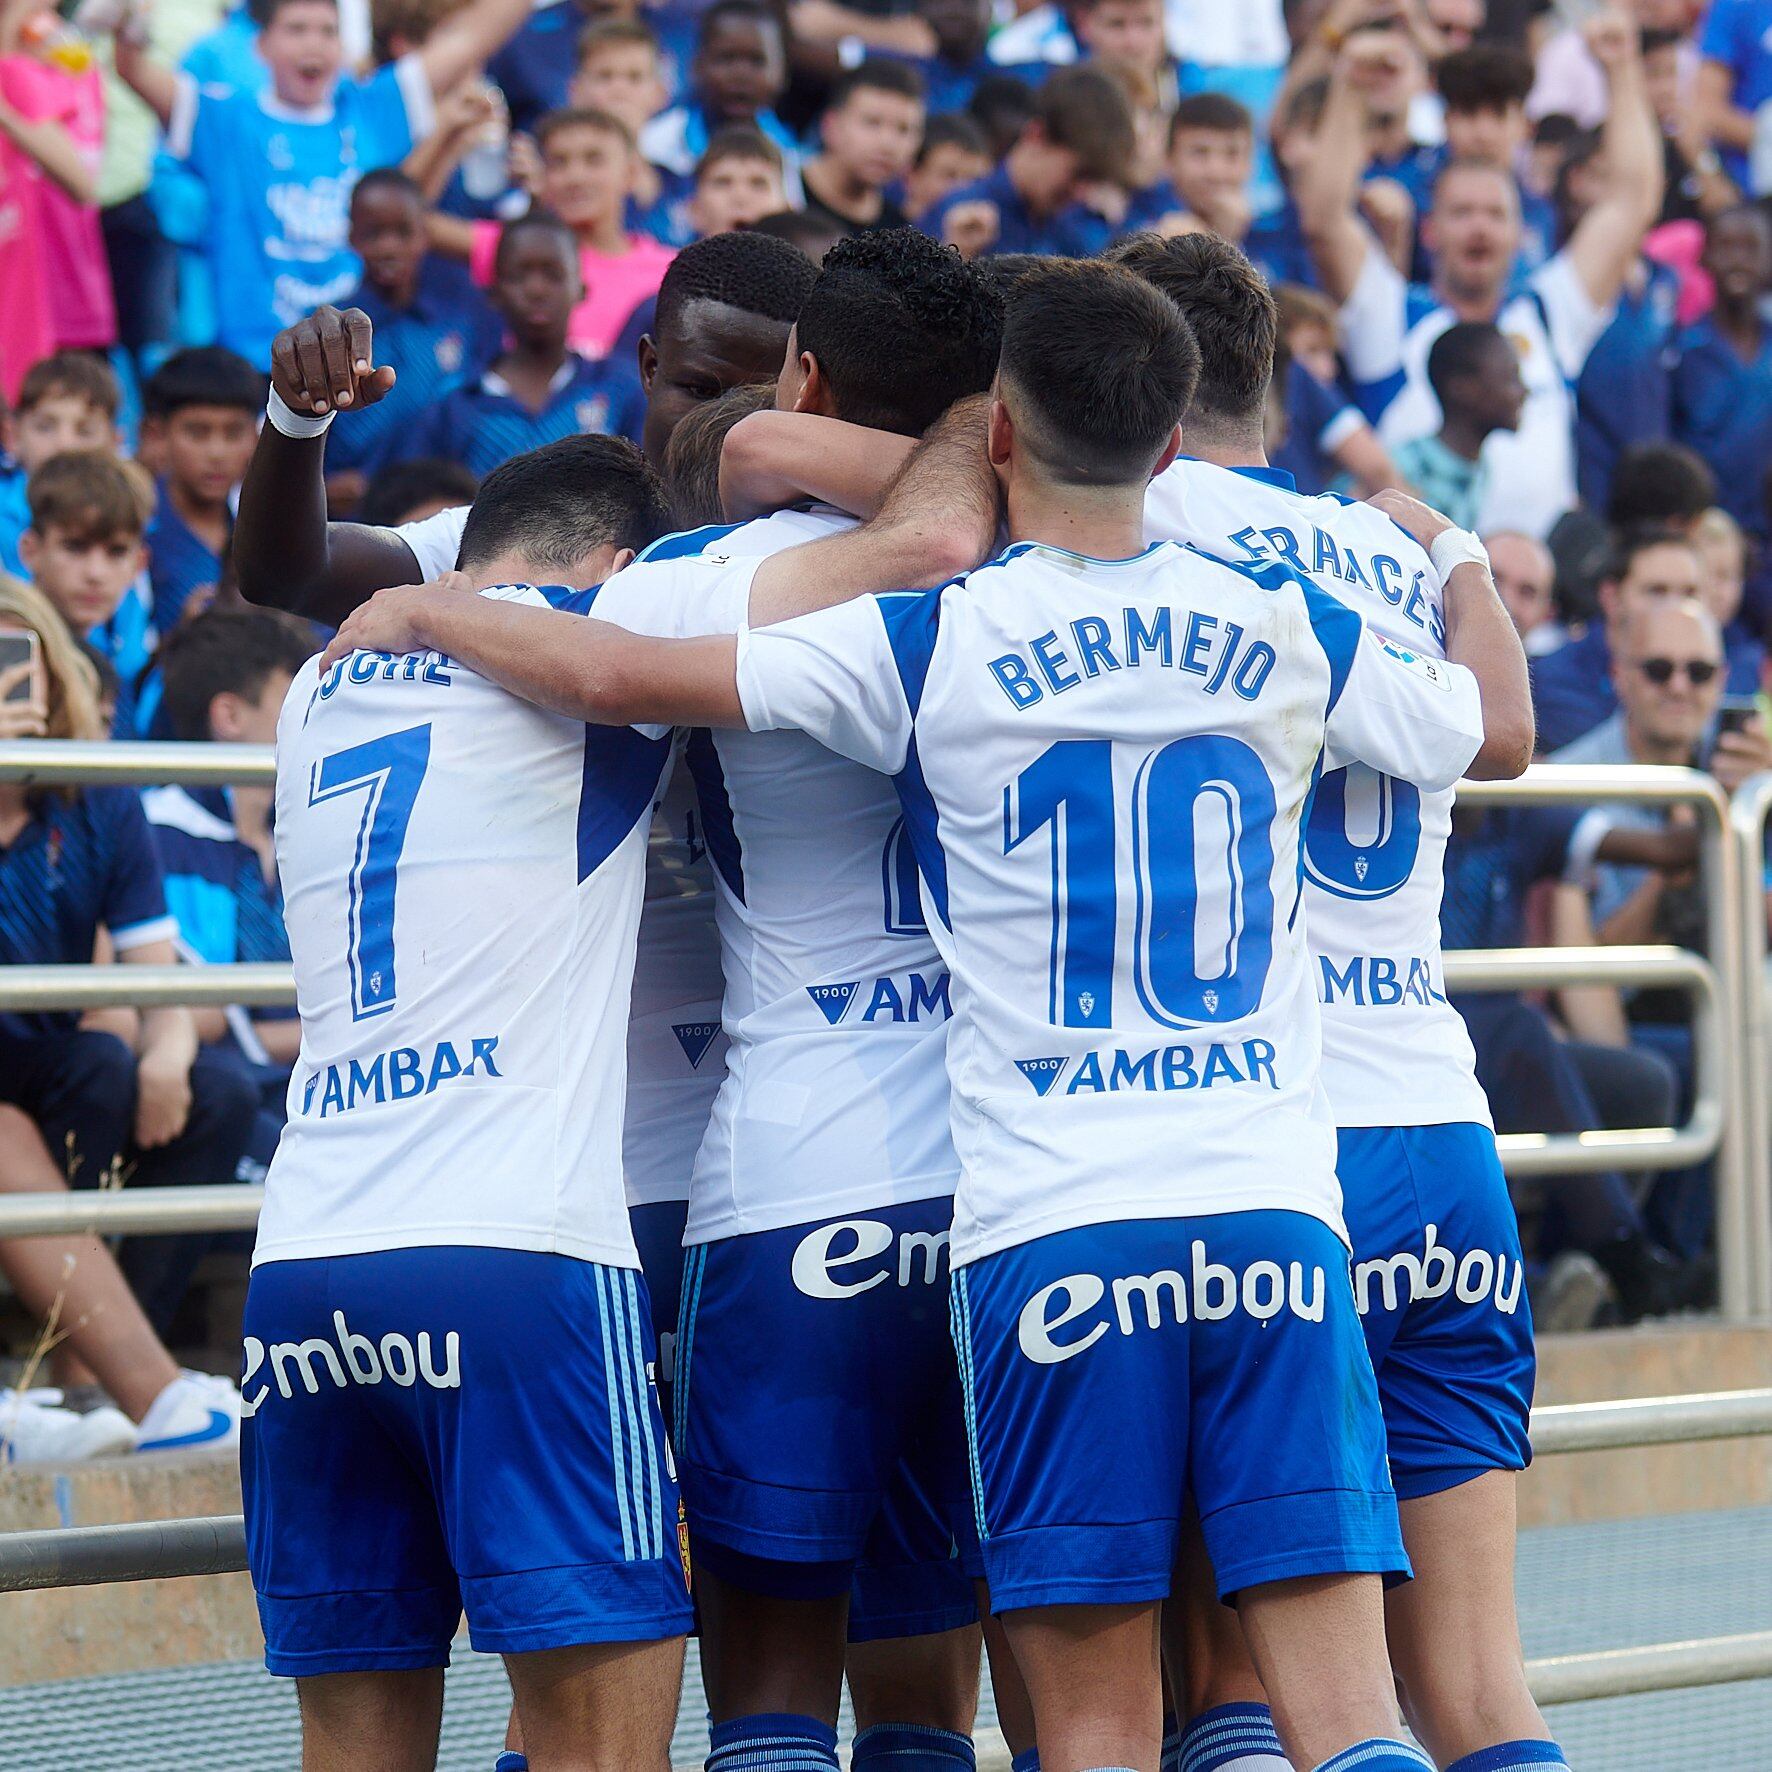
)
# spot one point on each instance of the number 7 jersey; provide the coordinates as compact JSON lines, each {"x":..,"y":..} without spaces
{"x":462,"y":878}
{"x":1104,"y":767}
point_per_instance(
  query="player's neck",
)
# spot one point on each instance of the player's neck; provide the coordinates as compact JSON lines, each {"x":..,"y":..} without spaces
{"x":513,"y":568}
{"x":1101,"y":523}
{"x":1224,"y":447}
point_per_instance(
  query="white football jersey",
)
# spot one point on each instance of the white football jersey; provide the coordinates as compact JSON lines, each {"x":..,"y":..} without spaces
{"x":1104,"y":767}
{"x":1395,"y":1052}
{"x":676,"y":1047}
{"x":462,"y":876}
{"x":836,"y":1004}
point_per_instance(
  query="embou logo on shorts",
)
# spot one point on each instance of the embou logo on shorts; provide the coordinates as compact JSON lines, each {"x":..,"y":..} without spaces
{"x":1261,"y":1291}
{"x":1474,"y":1276}
{"x":817,"y":1258}
{"x":356,"y":1355}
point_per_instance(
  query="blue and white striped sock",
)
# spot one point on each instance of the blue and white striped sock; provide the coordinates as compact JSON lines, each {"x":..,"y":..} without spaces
{"x":772,"y":1742}
{"x":912,"y":1747}
{"x":1173,"y":1736}
{"x":1230,"y":1738}
{"x":510,"y":1762}
{"x":1381,"y":1754}
{"x":1511,"y":1756}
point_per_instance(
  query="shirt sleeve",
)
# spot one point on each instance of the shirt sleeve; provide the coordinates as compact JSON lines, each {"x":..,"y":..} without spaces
{"x":1575,"y":320}
{"x":133,"y":907}
{"x":434,"y":541}
{"x":834,"y":676}
{"x":398,"y":110}
{"x":1721,"y":41}
{"x":1399,"y":711}
{"x":1374,"y":319}
{"x":482,"y":251}
{"x":196,"y":122}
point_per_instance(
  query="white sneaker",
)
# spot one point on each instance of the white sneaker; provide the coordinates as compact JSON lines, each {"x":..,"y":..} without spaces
{"x":197,"y":1412}
{"x":35,"y":1432}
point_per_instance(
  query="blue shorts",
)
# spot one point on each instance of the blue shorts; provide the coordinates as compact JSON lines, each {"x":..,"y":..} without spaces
{"x":1112,"y":1369}
{"x":817,"y":1424}
{"x":433,"y":1431}
{"x":1441,"y":1289}
{"x":658,"y":1235}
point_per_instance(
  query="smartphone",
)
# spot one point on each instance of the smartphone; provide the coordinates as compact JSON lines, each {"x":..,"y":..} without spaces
{"x":19,"y":646}
{"x":1734,"y":712}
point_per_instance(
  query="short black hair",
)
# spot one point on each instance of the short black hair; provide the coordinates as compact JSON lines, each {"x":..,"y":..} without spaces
{"x":1659,"y":483}
{"x":1001,"y":105}
{"x":1228,"y":307}
{"x":1008,"y":270}
{"x":1485,"y":77}
{"x":387,"y":178}
{"x":1098,"y":369}
{"x":814,"y":236}
{"x":534,"y":221}
{"x":226,"y":652}
{"x":742,"y":12}
{"x":901,"y":327}
{"x":755,"y":273}
{"x":1639,"y":538}
{"x":205,"y":375}
{"x":403,"y":486}
{"x":555,"y":504}
{"x":952,"y":129}
{"x":1461,"y":350}
{"x":876,"y":75}
{"x":1211,"y":110}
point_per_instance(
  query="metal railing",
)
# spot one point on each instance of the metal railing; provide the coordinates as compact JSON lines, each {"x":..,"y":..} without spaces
{"x":1748,"y":814}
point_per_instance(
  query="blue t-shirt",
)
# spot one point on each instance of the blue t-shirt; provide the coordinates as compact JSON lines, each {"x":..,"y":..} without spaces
{"x":1738,"y":33}
{"x":279,"y":187}
{"x":1074,"y":232}
{"x":15,"y":519}
{"x":1318,"y":419}
{"x":1722,"y":407}
{"x":229,"y":55}
{"x":75,"y":868}
{"x":535,"y":67}
{"x":1493,"y":860}
{"x":1625,"y":393}
{"x":180,"y":562}
{"x":483,"y":423}
{"x":127,"y":643}
{"x":447,"y":333}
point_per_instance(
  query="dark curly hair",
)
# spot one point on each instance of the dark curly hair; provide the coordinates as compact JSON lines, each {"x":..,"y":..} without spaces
{"x":901,"y":327}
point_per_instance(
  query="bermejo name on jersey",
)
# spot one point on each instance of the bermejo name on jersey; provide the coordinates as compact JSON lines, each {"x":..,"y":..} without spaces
{"x":837,"y":1000}
{"x":1395,"y":1052}
{"x":462,"y":876}
{"x":1104,"y":766}
{"x":676,"y":1047}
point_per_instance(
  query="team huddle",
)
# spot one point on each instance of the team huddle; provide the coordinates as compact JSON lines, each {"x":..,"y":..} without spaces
{"x":860,"y":1076}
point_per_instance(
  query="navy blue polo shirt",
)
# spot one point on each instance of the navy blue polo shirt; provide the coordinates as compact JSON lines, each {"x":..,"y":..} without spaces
{"x":1723,"y":409}
{"x":1074,"y":232}
{"x":180,"y":562}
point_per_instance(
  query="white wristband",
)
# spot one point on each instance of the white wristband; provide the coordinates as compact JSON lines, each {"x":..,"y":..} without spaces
{"x":1456,"y":547}
{"x":291,"y":423}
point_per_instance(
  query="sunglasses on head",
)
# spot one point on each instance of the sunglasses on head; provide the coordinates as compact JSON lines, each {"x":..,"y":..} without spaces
{"x":1662,"y":671}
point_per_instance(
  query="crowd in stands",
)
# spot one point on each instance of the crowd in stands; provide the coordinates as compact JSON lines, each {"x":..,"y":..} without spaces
{"x":1523,"y":253}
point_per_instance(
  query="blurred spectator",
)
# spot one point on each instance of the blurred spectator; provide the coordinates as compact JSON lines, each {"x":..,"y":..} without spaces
{"x":1722,"y":381}
{"x":952,"y":154}
{"x":1734,"y":83}
{"x":952,"y":74}
{"x":1572,"y":83}
{"x":1002,"y":105}
{"x":1208,"y":164}
{"x":738,"y":181}
{"x":620,"y":72}
{"x":1473,"y":231}
{"x":75,"y":863}
{"x":738,"y":76}
{"x":586,"y":165}
{"x":1484,"y":89}
{"x":538,"y":389}
{"x":535,"y":68}
{"x":1325,"y":441}
{"x":814,"y":234}
{"x":1081,"y":133}
{"x":278,"y":188}
{"x":1660,"y":482}
{"x":68,"y":401}
{"x":202,"y":407}
{"x":1525,"y":578}
{"x":410,"y":491}
{"x":868,"y":136}
{"x":85,"y":550}
{"x":1697,"y":184}
{"x":1475,"y":375}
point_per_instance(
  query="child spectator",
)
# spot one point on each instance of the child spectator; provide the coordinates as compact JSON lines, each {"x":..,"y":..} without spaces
{"x":68,"y":401}
{"x":1081,"y":134}
{"x":431,"y":325}
{"x":738,"y":181}
{"x":619,"y":72}
{"x":1526,"y":581}
{"x":1002,"y":105}
{"x":1209,"y":163}
{"x":410,"y":491}
{"x":52,"y":111}
{"x":1475,"y":374}
{"x":952,"y":74}
{"x":586,"y":168}
{"x":738,"y":76}
{"x":1327,"y":440}
{"x":1722,"y":383}
{"x":953,"y":153}
{"x":868,"y":134}
{"x":538,"y":390}
{"x":1125,"y":38}
{"x":84,"y":550}
{"x":201,"y":408}
{"x":278,"y":166}
{"x":534,"y":69}
{"x":1485,"y":89}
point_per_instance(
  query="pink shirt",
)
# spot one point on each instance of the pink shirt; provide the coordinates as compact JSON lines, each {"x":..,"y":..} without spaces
{"x":78,"y":276}
{"x":25,"y":330}
{"x":614,"y":285}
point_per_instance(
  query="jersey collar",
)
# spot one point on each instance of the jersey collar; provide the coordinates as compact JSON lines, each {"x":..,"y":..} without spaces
{"x":1268,"y":476}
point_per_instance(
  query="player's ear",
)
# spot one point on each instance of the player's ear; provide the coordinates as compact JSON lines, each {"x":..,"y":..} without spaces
{"x":647,"y":353}
{"x":1171,"y":450}
{"x":1000,"y":437}
{"x":624,"y":557}
{"x":815,"y":391}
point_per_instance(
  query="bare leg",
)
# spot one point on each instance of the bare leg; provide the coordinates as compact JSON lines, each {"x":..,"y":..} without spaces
{"x":1454,"y":1638}
{"x":1015,"y":1710}
{"x":388,"y":1720}
{"x":762,"y":1655}
{"x":1094,"y":1677}
{"x":929,"y":1681}
{"x":1318,"y":1645}
{"x":1203,"y":1648}
{"x":599,"y":1707}
{"x":76,"y":1281}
